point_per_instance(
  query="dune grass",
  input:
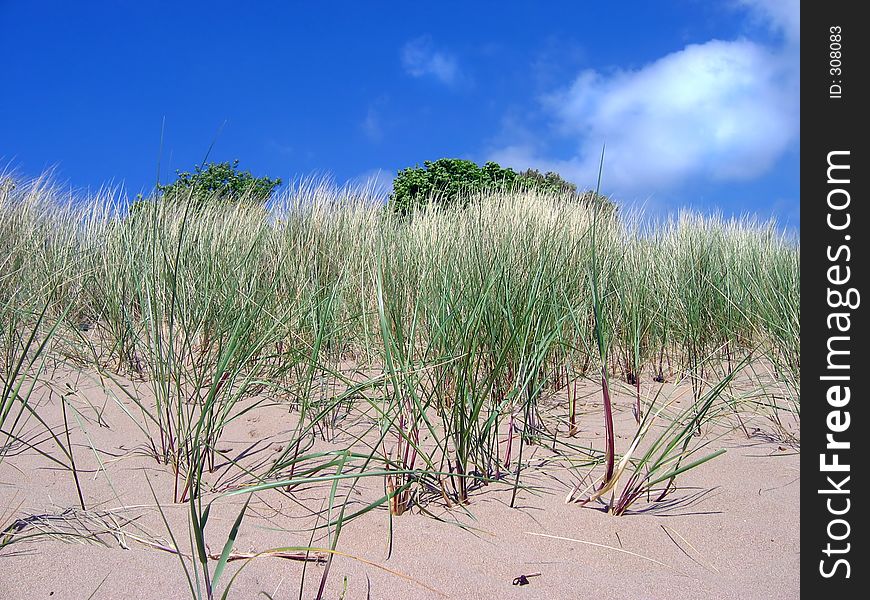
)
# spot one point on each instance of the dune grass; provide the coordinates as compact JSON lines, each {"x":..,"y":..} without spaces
{"x":465,"y":323}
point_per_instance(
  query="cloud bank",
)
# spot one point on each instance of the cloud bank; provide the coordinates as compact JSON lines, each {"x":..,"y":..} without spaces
{"x":721,"y":110}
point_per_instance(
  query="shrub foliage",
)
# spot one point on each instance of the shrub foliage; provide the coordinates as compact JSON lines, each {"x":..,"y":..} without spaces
{"x":222,"y":181}
{"x":450,"y":182}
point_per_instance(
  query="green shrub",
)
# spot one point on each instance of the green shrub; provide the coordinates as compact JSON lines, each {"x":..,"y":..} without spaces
{"x":220,"y":181}
{"x":549,"y":181}
{"x":450,"y":182}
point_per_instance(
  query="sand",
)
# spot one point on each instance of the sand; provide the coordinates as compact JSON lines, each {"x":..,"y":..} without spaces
{"x":730,"y":530}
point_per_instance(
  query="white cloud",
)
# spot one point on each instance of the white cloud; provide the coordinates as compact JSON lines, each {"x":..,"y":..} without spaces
{"x":722,"y":110}
{"x":783,"y":16}
{"x":371,"y":125}
{"x":421,"y":59}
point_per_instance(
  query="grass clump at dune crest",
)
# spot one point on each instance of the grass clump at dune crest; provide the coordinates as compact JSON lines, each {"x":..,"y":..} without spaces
{"x":454,"y":334}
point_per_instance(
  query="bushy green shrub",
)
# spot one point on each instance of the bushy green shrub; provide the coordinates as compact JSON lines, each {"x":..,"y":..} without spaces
{"x":548,"y":181}
{"x":220,"y":181}
{"x":450,"y":182}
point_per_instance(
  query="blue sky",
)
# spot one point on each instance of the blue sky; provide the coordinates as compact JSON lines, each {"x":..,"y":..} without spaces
{"x":697,"y":101}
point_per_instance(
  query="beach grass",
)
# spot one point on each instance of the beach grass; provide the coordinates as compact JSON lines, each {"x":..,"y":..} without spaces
{"x":451,"y":333}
